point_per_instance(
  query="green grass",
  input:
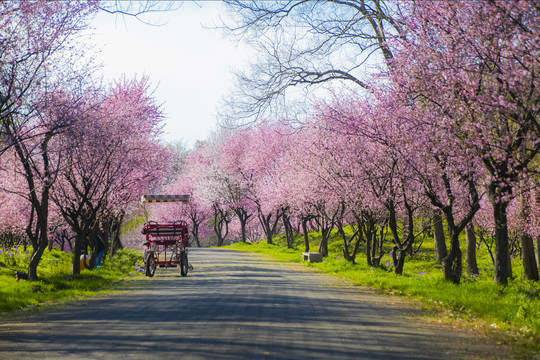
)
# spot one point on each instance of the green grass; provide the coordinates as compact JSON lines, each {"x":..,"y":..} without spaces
{"x":511,"y":313}
{"x":55,"y":279}
{"x":133,"y":223}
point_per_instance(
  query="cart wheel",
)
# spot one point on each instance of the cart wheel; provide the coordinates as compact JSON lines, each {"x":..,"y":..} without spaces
{"x":183,"y":264}
{"x":150,"y":266}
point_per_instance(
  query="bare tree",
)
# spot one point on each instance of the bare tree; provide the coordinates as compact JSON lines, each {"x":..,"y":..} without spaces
{"x":143,"y":11}
{"x":180,"y":152}
{"x":302,"y":44}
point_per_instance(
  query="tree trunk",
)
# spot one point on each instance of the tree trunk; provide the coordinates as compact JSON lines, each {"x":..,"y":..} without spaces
{"x":116,"y":244}
{"x":356,"y":246}
{"x":377,"y":248}
{"x":195,"y":223}
{"x":195,"y":233}
{"x":305,"y":231}
{"x":369,"y":244}
{"x":288,"y":230}
{"x":398,"y":257}
{"x":453,"y":266}
{"x":243,"y":222}
{"x":77,"y":254}
{"x":34,"y":260}
{"x":509,"y":270}
{"x":265,"y":220}
{"x":114,"y":240}
{"x":374,"y":250}
{"x":349,"y":255}
{"x":39,"y":205}
{"x":538,"y":251}
{"x":323,"y":246}
{"x":268,"y":227}
{"x":530,"y":268}
{"x":221,"y":224}
{"x":374,"y":241}
{"x":439,"y":239}
{"x":501,"y":274}
{"x":453,"y":262}
{"x":269,"y":238}
{"x":472,"y":266}
{"x":243,"y":217}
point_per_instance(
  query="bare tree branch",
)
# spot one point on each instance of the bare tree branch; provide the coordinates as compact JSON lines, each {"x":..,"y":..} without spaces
{"x":140,"y":9}
{"x":304,"y":44}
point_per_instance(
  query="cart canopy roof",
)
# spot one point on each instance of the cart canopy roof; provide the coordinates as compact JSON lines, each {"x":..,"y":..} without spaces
{"x":151,"y":198}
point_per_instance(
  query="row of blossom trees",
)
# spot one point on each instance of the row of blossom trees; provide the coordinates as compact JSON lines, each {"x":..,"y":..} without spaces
{"x":449,"y":128}
{"x":74,"y":153}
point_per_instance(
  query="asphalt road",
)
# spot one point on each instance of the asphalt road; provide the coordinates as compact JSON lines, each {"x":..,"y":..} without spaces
{"x":235,"y":306}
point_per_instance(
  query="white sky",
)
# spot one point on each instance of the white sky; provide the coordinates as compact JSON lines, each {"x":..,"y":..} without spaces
{"x":190,"y":65}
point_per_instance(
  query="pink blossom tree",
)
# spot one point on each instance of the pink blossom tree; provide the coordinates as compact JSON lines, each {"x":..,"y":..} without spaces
{"x":263,"y":147}
{"x":238,"y":179}
{"x":523,"y":227}
{"x":194,"y":212}
{"x":148,"y":163}
{"x":475,"y":64}
{"x":303,"y":186}
{"x":528,"y":228}
{"x":448,"y":175}
{"x":14,"y":207}
{"x":211,"y":186}
{"x":37,"y":39}
{"x":32,"y":145}
{"x":444,"y":173}
{"x":36,"y":43}
{"x":111,"y":157}
{"x":347,"y":156}
{"x":368,"y":171}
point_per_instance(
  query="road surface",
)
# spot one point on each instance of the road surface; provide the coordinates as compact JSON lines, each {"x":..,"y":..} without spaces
{"x":234,"y":305}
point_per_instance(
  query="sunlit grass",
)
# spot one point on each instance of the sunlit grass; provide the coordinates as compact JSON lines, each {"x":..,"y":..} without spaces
{"x":55,"y":279}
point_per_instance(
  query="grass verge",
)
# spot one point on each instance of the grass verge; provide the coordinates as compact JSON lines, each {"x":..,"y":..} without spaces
{"x":55,"y":279}
{"x":510,"y":315}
